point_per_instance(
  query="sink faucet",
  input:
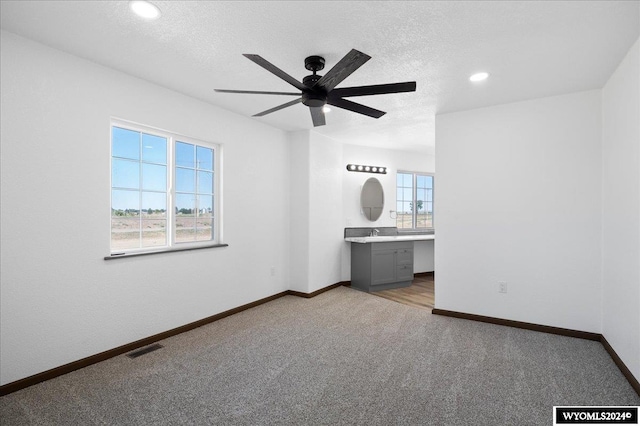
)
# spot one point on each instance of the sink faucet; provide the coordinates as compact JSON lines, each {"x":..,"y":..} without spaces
{"x":374,"y":233}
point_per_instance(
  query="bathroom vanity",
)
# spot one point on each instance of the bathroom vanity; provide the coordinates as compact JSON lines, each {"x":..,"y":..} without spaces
{"x":381,"y":266}
{"x":382,"y":262}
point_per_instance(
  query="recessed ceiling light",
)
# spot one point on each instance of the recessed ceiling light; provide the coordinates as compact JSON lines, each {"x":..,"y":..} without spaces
{"x":479,"y":76}
{"x":144,"y":9}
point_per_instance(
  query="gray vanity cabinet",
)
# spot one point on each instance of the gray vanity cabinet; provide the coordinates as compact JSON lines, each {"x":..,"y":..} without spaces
{"x":381,"y":266}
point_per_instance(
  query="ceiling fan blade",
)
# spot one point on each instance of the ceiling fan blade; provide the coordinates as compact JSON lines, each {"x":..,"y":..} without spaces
{"x":275,"y":70}
{"x":359,"y":108}
{"x":279,"y":107}
{"x":376,"y":89}
{"x":317,"y":115}
{"x":254,"y":92}
{"x":343,"y":69}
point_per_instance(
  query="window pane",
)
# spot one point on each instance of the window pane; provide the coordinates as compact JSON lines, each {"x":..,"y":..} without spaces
{"x":407,"y":180}
{"x":154,"y":204}
{"x":125,"y":203}
{"x":186,"y":234}
{"x":185,"y":229}
{"x":203,"y":229}
{"x":154,"y":149}
{"x":185,"y":180}
{"x":421,"y":220}
{"x":154,"y":238}
{"x":404,"y":221}
{"x":421,"y":194}
{"x":185,"y":205}
{"x":185,"y":155}
{"x":205,"y":158}
{"x":124,"y":240}
{"x":154,"y":177}
{"x":125,"y":174}
{"x":205,"y":205}
{"x":154,"y":231}
{"x":407,"y":194}
{"x":185,"y":218}
{"x":205,"y":182}
{"x":125,"y":233}
{"x":125,"y":143}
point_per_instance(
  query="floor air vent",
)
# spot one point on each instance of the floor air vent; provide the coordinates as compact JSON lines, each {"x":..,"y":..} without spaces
{"x":140,"y":352}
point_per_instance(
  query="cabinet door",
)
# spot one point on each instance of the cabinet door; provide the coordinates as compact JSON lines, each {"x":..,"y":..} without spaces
{"x":383,"y":266}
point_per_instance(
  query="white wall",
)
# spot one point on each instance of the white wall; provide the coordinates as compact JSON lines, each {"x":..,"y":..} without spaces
{"x":518,"y":200}
{"x":60,"y":301}
{"x":300,"y":197}
{"x":325,"y":215}
{"x":316,"y":206}
{"x":621,"y":210}
{"x":352,"y":183}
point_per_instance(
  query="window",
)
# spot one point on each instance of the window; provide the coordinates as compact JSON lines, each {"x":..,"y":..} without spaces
{"x":164,"y":190}
{"x":414,"y":201}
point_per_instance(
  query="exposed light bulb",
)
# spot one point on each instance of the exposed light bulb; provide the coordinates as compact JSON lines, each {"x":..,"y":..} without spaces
{"x":479,"y":76}
{"x":326,"y":109}
{"x":360,"y":167}
{"x":374,"y":169}
{"x":382,"y":169}
{"x":352,"y":167}
{"x":144,"y":9}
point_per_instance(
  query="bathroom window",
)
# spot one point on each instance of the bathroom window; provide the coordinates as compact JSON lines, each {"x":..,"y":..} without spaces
{"x":414,"y":201}
{"x":164,"y":190}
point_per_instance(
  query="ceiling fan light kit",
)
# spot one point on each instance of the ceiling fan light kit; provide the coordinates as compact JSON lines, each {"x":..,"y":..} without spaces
{"x":317,"y":91}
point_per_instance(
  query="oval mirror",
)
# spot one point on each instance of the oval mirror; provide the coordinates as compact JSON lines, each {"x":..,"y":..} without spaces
{"x":372,"y":199}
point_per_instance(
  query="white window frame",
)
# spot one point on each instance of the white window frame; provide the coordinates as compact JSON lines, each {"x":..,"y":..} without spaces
{"x":172,"y":139}
{"x":414,"y":212}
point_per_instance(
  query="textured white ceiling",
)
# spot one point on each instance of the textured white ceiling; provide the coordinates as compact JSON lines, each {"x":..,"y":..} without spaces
{"x":532,"y":49}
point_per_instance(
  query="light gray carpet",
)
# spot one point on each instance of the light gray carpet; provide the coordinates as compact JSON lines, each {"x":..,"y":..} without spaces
{"x":341,"y":358}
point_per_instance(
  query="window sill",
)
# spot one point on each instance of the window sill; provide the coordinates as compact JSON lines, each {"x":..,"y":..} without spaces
{"x":171,"y":250}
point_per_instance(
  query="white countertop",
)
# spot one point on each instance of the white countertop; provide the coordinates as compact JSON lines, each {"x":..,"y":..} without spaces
{"x":385,"y":239}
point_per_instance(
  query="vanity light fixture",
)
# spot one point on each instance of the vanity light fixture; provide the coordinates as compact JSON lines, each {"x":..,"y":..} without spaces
{"x":366,"y":169}
{"x":144,"y":9}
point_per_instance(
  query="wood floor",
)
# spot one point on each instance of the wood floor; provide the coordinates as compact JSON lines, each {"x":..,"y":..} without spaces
{"x":420,"y":294}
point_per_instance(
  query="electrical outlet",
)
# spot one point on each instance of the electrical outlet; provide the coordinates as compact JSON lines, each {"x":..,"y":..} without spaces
{"x":502,"y":286}
{"x":273,"y":271}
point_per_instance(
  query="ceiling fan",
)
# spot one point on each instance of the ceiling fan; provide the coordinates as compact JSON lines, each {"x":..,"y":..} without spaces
{"x":316,"y":91}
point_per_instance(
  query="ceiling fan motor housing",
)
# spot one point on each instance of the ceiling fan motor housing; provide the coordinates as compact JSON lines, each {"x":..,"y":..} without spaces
{"x":313,"y":96}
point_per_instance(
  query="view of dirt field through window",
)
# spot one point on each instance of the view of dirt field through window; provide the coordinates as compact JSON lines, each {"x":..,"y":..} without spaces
{"x":145,"y":208}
